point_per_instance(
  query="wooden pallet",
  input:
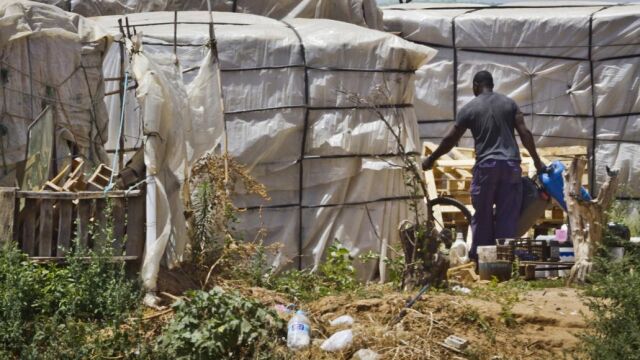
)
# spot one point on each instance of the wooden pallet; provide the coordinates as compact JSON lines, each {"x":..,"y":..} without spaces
{"x":528,"y":268}
{"x":451,"y":176}
{"x":44,"y":223}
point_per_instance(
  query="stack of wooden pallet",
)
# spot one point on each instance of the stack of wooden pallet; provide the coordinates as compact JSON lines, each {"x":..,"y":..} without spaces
{"x":452,"y":173}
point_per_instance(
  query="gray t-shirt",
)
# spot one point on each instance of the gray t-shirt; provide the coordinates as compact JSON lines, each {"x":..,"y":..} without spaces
{"x":491,"y":118}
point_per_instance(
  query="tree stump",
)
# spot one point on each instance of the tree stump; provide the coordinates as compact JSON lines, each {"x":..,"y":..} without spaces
{"x":586,"y":218}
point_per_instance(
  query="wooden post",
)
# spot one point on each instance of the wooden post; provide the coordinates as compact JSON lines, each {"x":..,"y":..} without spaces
{"x":136,"y":226}
{"x":587,"y":218}
{"x":118,"y":216}
{"x":29,"y":227}
{"x":45,"y":236}
{"x":65,"y":222}
{"x":84,"y":215}
{"x":7,"y":214}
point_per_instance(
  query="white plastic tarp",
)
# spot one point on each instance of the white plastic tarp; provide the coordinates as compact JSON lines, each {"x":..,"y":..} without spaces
{"x":360,"y":12}
{"x":48,"y":56}
{"x":283,"y":87}
{"x":543,"y":56}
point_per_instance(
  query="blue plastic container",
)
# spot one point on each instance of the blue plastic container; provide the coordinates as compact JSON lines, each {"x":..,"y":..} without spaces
{"x":553,"y":183}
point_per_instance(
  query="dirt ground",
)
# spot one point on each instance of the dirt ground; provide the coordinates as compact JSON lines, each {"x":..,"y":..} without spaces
{"x":511,"y":320}
{"x":542,"y":324}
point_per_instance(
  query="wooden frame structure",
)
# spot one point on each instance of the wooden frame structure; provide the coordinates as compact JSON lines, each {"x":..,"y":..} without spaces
{"x":45,"y":223}
{"x":452,"y":173}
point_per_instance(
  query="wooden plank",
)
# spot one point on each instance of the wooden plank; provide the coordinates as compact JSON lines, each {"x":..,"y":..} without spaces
{"x":118,"y":216}
{"x":45,"y":236}
{"x":66,"y":195}
{"x":57,"y":182}
{"x":136,"y":223}
{"x":452,"y":209}
{"x":430,"y":147}
{"x":65,"y":224}
{"x":29,"y":226}
{"x":60,"y":259}
{"x":84,"y":215}
{"x":7,"y":213}
{"x":562,"y":151}
{"x":469,"y":163}
{"x":100,"y":222}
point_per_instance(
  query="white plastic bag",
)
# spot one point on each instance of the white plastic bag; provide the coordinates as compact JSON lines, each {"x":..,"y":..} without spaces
{"x":342,"y":320}
{"x":338,"y":341}
{"x":365,"y":354}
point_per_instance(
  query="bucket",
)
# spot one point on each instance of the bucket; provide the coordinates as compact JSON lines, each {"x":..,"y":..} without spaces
{"x":489,"y":266}
{"x":534,"y":204}
{"x":487,"y":254}
{"x":499,"y":269}
{"x":566,"y":254}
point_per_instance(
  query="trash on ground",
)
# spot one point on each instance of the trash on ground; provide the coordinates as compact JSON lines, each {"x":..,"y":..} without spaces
{"x":465,"y":274}
{"x":461,"y":289}
{"x":459,"y":254}
{"x":338,"y":341}
{"x":456,"y":342}
{"x":298,"y":331}
{"x":365,"y":354}
{"x":342,"y":320}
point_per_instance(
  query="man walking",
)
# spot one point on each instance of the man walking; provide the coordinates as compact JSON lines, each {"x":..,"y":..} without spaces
{"x":492,"y":118}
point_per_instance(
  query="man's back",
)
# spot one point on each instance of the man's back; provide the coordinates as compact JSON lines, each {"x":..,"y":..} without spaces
{"x":491,"y":118}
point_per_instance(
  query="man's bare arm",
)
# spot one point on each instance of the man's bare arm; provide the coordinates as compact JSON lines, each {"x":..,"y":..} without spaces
{"x":448,"y":142}
{"x":527,"y":140}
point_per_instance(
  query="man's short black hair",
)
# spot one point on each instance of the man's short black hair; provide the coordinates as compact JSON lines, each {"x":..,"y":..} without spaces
{"x":483,"y":78}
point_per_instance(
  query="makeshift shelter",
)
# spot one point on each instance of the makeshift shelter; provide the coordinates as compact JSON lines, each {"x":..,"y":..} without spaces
{"x":329,"y":164}
{"x":572,"y":68}
{"x":50,"y":57}
{"x":359,"y":12}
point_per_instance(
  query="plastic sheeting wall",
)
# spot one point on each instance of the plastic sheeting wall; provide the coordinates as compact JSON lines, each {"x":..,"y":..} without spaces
{"x":50,"y":57}
{"x":328,"y":163}
{"x":360,"y":12}
{"x":548,"y":59}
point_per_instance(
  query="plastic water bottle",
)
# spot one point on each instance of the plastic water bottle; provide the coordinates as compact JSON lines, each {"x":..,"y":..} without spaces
{"x":298,"y":331}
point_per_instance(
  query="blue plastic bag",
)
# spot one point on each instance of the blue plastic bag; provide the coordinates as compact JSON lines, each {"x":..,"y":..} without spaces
{"x":553,"y":183}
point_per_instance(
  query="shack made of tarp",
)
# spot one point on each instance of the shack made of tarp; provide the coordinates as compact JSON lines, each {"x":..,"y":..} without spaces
{"x":329,"y":164}
{"x":49,"y":57}
{"x":548,"y":57}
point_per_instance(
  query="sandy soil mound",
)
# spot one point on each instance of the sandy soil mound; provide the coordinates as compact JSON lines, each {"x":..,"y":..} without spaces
{"x":541,"y":325}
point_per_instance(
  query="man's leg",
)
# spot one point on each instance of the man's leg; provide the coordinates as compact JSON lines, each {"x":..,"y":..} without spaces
{"x":483,"y":190}
{"x":508,"y":200}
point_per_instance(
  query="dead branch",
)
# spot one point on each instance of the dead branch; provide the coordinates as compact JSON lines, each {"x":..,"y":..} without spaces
{"x":587,"y":218}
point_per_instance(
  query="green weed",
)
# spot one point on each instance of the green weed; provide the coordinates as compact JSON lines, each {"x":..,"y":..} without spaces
{"x":614,"y":328}
{"x":219,"y":325}
{"x":472,"y":316}
{"x":61,"y":311}
{"x":335,"y":275}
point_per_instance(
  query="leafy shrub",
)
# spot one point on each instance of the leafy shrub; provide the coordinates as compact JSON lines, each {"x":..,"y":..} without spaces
{"x":625,"y":212}
{"x":58,"y":311}
{"x":219,"y":325}
{"x":615,"y":325}
{"x":336,"y":274}
{"x":395,"y":264}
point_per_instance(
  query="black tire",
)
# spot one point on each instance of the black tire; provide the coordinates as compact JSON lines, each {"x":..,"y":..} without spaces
{"x":447,"y":201}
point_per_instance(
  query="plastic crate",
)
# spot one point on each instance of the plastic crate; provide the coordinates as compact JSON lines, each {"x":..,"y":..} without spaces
{"x":524,"y":249}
